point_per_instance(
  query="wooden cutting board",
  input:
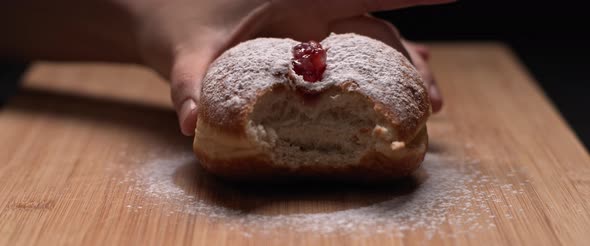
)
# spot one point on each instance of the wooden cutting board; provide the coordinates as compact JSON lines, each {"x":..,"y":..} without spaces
{"x":91,"y":155}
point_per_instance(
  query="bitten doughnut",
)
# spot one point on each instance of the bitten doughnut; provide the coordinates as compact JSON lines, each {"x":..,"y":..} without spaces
{"x":350,"y":107}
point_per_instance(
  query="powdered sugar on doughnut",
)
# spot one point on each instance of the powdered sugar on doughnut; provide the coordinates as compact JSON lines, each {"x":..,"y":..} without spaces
{"x":378,"y":71}
{"x":381,"y":73}
{"x":239,"y":74}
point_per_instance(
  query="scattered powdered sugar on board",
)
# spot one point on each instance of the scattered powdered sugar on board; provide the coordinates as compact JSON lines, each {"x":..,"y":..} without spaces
{"x":454,"y":193}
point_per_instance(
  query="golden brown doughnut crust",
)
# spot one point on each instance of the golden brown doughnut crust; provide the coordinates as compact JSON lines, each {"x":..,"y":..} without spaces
{"x":374,"y":166}
{"x":354,"y":63}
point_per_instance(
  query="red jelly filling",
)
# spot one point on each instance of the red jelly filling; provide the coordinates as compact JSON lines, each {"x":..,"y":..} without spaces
{"x":309,"y":61}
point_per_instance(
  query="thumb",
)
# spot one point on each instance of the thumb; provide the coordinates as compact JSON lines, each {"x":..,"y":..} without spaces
{"x":185,"y":88}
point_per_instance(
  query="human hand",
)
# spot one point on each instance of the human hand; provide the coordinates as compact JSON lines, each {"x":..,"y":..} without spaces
{"x":180,"y":38}
{"x":420,"y":55}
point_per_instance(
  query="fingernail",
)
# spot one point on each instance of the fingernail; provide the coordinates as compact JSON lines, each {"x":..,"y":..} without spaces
{"x":434,"y":93}
{"x":435,"y":98}
{"x":187,"y":117}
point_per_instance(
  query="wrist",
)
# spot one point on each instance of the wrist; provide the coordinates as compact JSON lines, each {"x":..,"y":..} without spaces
{"x":67,"y":30}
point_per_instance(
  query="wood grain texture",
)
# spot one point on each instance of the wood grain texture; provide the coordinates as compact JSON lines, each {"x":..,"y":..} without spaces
{"x":72,"y":136}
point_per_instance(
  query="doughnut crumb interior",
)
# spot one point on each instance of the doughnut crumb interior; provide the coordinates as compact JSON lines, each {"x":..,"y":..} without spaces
{"x":362,"y":119}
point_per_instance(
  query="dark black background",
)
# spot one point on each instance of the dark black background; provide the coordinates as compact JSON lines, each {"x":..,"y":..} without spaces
{"x":550,"y":37}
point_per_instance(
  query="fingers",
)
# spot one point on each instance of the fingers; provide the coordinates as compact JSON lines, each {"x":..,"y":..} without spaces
{"x":187,"y":74}
{"x":371,"y":27}
{"x":335,"y":9}
{"x":420,"y":55}
{"x":421,"y":49}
